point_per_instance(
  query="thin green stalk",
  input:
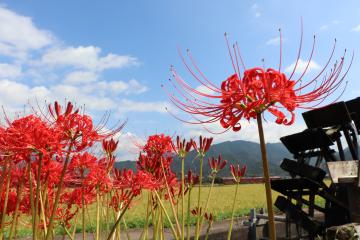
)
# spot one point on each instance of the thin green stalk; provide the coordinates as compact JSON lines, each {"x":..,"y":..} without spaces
{"x":32,"y":204}
{"x":117,"y":234}
{"x":58,"y":192}
{"x":119,"y":219}
{"x":83,"y":214}
{"x":197,"y":229}
{"x":207,"y":202}
{"x":232,"y":213}
{"x":208,"y":230}
{"x":17,"y":205}
{"x":42,"y":210}
{"x":75,"y":224}
{"x":126,"y":229}
{"x":171,"y":200}
{"x":97,"y":214}
{"x":167,"y":216}
{"x":67,"y":232}
{"x":146,"y":227}
{"x":183,"y":198}
{"x":269,"y":203}
{"x":37,"y":194}
{"x":156,"y":223}
{"x":188,"y":215}
{"x":5,"y":202}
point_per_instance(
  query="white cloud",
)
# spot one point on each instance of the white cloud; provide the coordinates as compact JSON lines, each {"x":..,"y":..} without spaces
{"x":13,"y":101}
{"x":116,"y":87}
{"x":9,"y":71}
{"x":86,"y":57}
{"x":301,"y":66}
{"x":127,"y":105}
{"x":257,"y":14}
{"x":18,"y":34}
{"x":128,"y":147}
{"x":205,"y":90}
{"x":355,"y":29}
{"x":335,"y":21}
{"x":324,"y":27}
{"x":275,"y":41}
{"x":248,"y":132}
{"x":79,"y":77}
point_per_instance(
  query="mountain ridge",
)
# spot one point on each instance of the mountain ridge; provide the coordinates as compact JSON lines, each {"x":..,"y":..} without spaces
{"x":235,"y":152}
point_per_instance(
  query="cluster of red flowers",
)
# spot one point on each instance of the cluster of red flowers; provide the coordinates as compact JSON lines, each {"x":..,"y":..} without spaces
{"x":45,"y":169}
{"x":48,"y":169}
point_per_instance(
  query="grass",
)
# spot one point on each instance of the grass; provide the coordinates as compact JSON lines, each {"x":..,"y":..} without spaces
{"x":249,"y":196}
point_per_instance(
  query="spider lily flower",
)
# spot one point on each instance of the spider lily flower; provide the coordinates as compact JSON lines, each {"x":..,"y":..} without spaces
{"x":109,"y":146}
{"x":216,"y":164}
{"x":237,"y":172}
{"x":209,"y":217}
{"x":182,"y":147}
{"x":196,"y":211}
{"x":248,"y":92}
{"x":204,"y":145}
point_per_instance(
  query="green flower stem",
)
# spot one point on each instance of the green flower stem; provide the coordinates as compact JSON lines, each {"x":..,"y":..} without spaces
{"x":117,"y":234}
{"x":83,"y":213}
{"x":178,"y":229}
{"x":232,"y":212}
{"x":188,"y":215}
{"x":197,"y":229}
{"x":58,"y":192}
{"x":42,"y":210}
{"x":17,"y":205}
{"x":97,"y":214}
{"x":157,"y":223}
{"x":182,"y":198}
{"x":208,"y":230}
{"x":126,"y":229}
{"x":167,"y":216}
{"x":37,"y":196}
{"x":207,"y":202}
{"x":146,"y":227}
{"x":5,"y":201}
{"x":32,"y":204}
{"x":74,"y":227}
{"x":67,"y":232}
{"x":269,"y":203}
{"x":119,"y":219}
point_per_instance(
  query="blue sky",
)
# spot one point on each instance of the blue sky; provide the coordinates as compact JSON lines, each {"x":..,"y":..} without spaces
{"x":114,"y":55}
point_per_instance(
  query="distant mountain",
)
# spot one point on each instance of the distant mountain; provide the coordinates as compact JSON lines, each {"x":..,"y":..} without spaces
{"x":235,"y":152}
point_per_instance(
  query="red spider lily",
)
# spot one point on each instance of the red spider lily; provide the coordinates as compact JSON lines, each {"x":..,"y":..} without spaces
{"x":109,"y":146}
{"x":237,"y":172}
{"x":245,"y":95}
{"x":64,"y":215}
{"x":204,"y":145}
{"x":156,"y":158}
{"x":196,"y":211}
{"x":158,"y":148}
{"x":209,"y":217}
{"x":182,"y":147}
{"x":120,"y":199}
{"x":28,"y":135}
{"x":216,"y":164}
{"x":99,"y":177}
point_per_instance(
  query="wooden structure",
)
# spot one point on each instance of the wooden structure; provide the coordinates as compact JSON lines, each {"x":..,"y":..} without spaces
{"x":317,"y":150}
